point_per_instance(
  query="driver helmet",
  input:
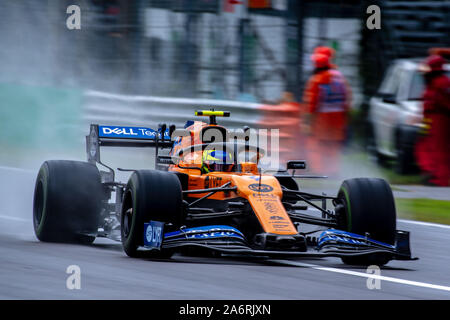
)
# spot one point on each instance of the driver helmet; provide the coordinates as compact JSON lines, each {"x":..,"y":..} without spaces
{"x":217,"y":160}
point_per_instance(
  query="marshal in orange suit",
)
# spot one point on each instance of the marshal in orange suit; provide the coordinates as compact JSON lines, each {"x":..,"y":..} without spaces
{"x":327,"y":99}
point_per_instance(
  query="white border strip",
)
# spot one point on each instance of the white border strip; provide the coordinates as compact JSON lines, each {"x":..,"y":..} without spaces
{"x":14,"y":218}
{"x":17,"y":169}
{"x":426,"y":224}
{"x":364,"y":275}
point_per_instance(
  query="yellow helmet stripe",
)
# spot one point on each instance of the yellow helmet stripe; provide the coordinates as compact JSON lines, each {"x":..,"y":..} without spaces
{"x":207,"y":156}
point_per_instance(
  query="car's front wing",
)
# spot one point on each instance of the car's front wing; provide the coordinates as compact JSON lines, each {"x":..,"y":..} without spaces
{"x":229,"y":240}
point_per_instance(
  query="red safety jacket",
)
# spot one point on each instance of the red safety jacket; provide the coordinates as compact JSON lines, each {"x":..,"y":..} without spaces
{"x":437,"y":111}
{"x":327,"y":97}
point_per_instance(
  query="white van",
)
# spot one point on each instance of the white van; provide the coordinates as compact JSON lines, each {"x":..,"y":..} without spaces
{"x":395,"y":113}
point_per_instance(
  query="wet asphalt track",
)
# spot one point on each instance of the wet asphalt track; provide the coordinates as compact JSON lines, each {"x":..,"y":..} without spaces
{"x":33,"y":270}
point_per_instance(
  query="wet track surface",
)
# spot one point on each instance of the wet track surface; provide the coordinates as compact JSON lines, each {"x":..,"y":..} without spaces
{"x":30,"y":269}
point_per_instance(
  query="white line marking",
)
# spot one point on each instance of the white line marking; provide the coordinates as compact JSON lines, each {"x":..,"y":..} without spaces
{"x":17,"y":169}
{"x":427,"y":224}
{"x":420,"y":223}
{"x":14,"y":218}
{"x":364,"y":275}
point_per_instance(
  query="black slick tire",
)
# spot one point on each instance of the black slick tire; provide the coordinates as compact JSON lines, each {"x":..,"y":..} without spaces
{"x":67,"y":202}
{"x":368,"y":208}
{"x":149,"y":195}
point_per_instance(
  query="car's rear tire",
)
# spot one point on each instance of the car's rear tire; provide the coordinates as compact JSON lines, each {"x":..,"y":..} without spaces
{"x":367,"y":207}
{"x":67,"y":202}
{"x":149,"y":195}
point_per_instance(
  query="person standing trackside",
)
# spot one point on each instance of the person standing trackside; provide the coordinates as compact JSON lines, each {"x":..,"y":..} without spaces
{"x":327,"y":99}
{"x":433,"y":148}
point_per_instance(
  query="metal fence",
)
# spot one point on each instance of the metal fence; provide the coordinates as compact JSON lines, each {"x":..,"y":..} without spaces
{"x":204,"y":49}
{"x":147,"y":47}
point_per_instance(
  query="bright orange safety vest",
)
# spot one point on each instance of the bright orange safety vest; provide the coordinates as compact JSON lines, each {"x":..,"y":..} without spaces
{"x":327,"y":96}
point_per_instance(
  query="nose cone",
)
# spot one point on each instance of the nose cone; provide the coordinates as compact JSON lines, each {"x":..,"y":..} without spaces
{"x":259,"y":186}
{"x":264,"y":195}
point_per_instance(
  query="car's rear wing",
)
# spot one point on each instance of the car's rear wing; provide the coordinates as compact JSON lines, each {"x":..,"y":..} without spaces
{"x":121,"y":136}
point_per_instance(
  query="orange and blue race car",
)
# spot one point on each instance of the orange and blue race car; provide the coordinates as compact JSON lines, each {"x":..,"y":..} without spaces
{"x":209,"y":192}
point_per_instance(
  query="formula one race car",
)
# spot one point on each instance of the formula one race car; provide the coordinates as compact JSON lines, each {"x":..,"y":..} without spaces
{"x":209,"y":192}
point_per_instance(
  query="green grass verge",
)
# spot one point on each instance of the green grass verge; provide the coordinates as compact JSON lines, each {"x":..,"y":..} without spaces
{"x":429,"y":210}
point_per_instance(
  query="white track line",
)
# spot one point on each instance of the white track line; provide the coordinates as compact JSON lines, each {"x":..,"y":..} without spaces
{"x":17,"y":169}
{"x":420,"y":223}
{"x":14,"y":218}
{"x":364,"y":275}
{"x":426,"y":224}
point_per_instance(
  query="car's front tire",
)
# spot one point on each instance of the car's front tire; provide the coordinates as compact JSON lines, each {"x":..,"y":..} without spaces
{"x":368,"y":207}
{"x":149,"y":195}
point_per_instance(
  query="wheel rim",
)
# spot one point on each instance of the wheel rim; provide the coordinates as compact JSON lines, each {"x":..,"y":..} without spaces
{"x":127,"y":221}
{"x":345,"y":200}
{"x":38,"y":203}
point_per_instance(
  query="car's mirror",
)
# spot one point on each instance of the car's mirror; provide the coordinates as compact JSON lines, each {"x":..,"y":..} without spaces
{"x":296,"y":164}
{"x":168,"y":160}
